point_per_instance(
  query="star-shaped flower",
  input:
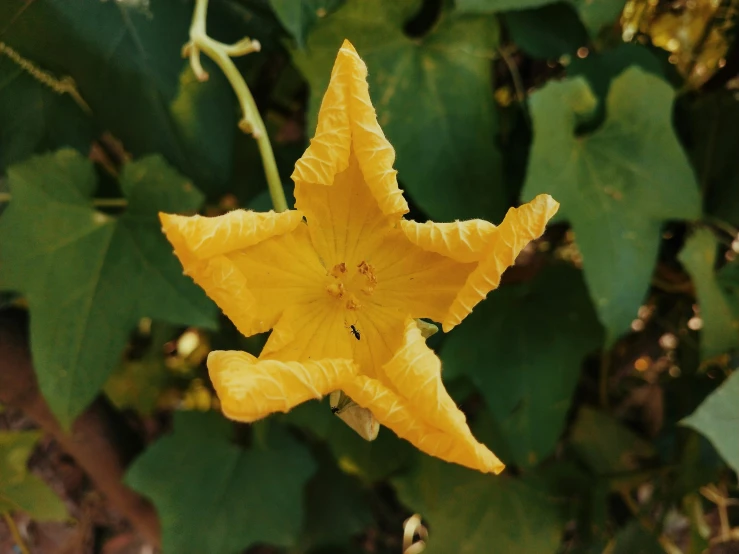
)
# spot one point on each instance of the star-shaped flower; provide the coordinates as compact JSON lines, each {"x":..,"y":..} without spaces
{"x":342,"y":280}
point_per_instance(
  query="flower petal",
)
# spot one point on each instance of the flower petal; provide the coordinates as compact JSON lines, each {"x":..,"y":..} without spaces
{"x":250,"y":389}
{"x":205,"y":237}
{"x":344,"y":219}
{"x":415,"y":281}
{"x":252,"y":265}
{"x":397,"y":414}
{"x":462,"y":241}
{"x":520,"y":226}
{"x":415,"y":372}
{"x":347,"y":122}
{"x":309,"y":332}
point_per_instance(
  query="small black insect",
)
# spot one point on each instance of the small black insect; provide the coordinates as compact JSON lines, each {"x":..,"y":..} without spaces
{"x":355,"y":332}
{"x":334,"y":409}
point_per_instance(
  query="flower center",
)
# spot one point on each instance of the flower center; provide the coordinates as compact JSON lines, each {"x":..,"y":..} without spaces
{"x":351,"y":285}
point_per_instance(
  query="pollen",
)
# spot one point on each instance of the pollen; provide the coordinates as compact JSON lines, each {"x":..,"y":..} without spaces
{"x":338,"y":270}
{"x":352,"y":303}
{"x":336,"y":289}
{"x":368,"y":271}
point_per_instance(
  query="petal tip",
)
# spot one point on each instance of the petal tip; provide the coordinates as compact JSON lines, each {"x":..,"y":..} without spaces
{"x":548,"y":205}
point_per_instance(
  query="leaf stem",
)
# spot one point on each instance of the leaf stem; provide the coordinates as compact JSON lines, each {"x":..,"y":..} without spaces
{"x":251,"y":121}
{"x":6,"y":197}
{"x":10,"y":522}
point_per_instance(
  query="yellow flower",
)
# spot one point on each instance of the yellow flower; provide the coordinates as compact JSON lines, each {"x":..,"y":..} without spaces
{"x":341,"y":281}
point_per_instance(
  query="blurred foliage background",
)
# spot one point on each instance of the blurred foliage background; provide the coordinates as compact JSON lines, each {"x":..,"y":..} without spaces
{"x":603,"y":372}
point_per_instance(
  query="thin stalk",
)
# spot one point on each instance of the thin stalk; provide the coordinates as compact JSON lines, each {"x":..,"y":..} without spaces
{"x":251,"y":121}
{"x":15,"y":533}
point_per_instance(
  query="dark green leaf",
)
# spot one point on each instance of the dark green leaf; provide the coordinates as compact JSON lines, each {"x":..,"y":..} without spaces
{"x":89,"y":277}
{"x":634,"y":539}
{"x":128,"y":67}
{"x":616,"y":186}
{"x":336,"y":508}
{"x":433,"y":99}
{"x":605,"y":445}
{"x":299,"y":16}
{"x":473,"y":512}
{"x":713,"y":142}
{"x":547,"y":32}
{"x":34,"y":118}
{"x":718,"y":419}
{"x":720,"y":331}
{"x":19,"y":489}
{"x":523,"y":349}
{"x":215,"y":497}
{"x":594,"y":14}
{"x":601,"y":68}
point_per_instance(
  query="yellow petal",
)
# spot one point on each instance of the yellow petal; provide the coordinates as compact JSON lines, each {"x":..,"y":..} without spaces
{"x":345,"y":222}
{"x":520,"y":226}
{"x":396,"y":413}
{"x":463,"y":241}
{"x":250,"y":389}
{"x":418,"y":283}
{"x":347,"y":122}
{"x":309,"y":332}
{"x":205,"y":237}
{"x":381,"y":331}
{"x":252,"y":265}
{"x":415,"y":373}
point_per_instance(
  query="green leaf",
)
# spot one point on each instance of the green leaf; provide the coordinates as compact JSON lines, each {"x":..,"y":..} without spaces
{"x":523,"y":349}
{"x":616,"y":186}
{"x":720,"y":332}
{"x":635,"y":539}
{"x":336,"y":508}
{"x":711,"y":137}
{"x":718,"y":419}
{"x":547,"y":32}
{"x":89,"y":277}
{"x":470,"y":512}
{"x":127,"y":64}
{"x":138,"y":383}
{"x":605,"y":445}
{"x":601,"y":68}
{"x":595,"y":14}
{"x":34,"y":118}
{"x":19,"y":489}
{"x":299,"y":16}
{"x":433,"y":98}
{"x":215,"y":497}
{"x":372,"y":461}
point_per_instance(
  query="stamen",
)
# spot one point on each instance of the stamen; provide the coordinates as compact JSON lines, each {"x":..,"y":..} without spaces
{"x":338,"y":270}
{"x":352,"y":303}
{"x":369,"y":274}
{"x":336,"y":289}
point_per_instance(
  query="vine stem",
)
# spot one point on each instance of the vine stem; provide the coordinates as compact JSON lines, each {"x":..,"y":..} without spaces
{"x":10,"y":522}
{"x":251,"y":121}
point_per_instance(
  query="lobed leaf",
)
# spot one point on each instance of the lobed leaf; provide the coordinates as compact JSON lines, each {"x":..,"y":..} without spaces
{"x":88,"y":276}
